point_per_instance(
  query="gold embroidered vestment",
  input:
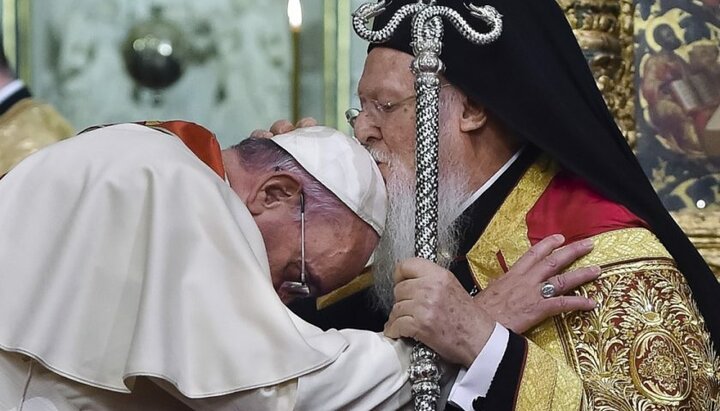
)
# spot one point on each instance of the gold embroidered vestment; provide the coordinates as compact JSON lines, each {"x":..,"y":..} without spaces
{"x":27,"y":127}
{"x":645,"y":347}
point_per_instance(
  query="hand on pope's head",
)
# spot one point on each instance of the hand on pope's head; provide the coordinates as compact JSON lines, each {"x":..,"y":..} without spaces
{"x":283,"y":126}
{"x":514,"y":300}
{"x":431,"y":306}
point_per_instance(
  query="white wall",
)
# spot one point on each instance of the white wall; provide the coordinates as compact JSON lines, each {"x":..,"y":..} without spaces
{"x":77,"y":63}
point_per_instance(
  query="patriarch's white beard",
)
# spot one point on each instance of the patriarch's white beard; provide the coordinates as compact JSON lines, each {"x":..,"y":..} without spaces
{"x":398,"y":240}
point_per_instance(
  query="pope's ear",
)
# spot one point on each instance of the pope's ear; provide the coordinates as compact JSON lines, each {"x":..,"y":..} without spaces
{"x":274,"y":191}
{"x":474,"y":116}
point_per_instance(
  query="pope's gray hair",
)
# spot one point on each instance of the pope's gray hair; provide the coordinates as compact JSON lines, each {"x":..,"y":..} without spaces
{"x":263,"y":155}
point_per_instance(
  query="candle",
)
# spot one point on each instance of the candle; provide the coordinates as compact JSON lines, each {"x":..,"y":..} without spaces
{"x":294,"y":11}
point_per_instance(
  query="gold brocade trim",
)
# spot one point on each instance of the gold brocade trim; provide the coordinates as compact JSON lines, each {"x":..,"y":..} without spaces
{"x":546,"y":335}
{"x":550,"y":384}
{"x":482,"y":258}
{"x":27,"y":127}
{"x":358,"y":284}
{"x":541,"y":370}
{"x":703,"y":229}
{"x":569,"y":394}
{"x":620,"y":246}
{"x":610,"y":247}
{"x":644,"y":348}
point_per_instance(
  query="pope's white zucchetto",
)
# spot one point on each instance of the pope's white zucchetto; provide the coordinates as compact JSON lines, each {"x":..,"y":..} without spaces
{"x":343,"y":166}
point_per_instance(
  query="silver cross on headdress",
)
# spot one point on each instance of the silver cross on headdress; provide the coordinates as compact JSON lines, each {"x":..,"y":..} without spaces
{"x":427,"y":33}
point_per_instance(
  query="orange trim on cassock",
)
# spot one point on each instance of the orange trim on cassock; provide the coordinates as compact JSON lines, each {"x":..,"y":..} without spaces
{"x":570,"y":207}
{"x":198,"y":139}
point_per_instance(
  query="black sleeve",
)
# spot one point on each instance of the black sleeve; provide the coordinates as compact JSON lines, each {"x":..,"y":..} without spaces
{"x":355,"y":311}
{"x":503,"y":391}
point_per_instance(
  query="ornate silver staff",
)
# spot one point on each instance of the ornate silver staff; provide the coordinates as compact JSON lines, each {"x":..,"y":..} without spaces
{"x":427,"y":32}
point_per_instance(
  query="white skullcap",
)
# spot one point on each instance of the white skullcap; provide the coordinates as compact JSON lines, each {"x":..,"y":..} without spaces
{"x":343,"y":166}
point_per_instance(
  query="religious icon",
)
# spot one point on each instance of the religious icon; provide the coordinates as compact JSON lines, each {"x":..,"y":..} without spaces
{"x":678,"y":86}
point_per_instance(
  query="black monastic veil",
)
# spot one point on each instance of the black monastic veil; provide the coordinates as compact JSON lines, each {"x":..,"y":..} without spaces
{"x":536,"y":80}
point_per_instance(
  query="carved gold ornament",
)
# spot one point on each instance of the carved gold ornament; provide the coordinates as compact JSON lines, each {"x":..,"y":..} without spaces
{"x":604,"y":30}
{"x":645,"y":347}
{"x":703,"y":229}
{"x":659,"y":368}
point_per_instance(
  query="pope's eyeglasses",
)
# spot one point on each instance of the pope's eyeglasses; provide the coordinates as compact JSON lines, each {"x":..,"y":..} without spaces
{"x":300,"y":288}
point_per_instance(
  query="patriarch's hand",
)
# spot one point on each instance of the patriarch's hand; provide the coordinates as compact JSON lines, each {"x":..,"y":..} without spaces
{"x":283,"y":126}
{"x":431,"y":306}
{"x":514,"y":299}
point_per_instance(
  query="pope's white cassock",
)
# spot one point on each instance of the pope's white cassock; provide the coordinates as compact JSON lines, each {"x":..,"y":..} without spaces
{"x":124,"y":255}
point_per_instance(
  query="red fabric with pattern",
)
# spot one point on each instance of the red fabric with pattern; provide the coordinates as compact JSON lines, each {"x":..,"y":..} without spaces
{"x":570,"y":207}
